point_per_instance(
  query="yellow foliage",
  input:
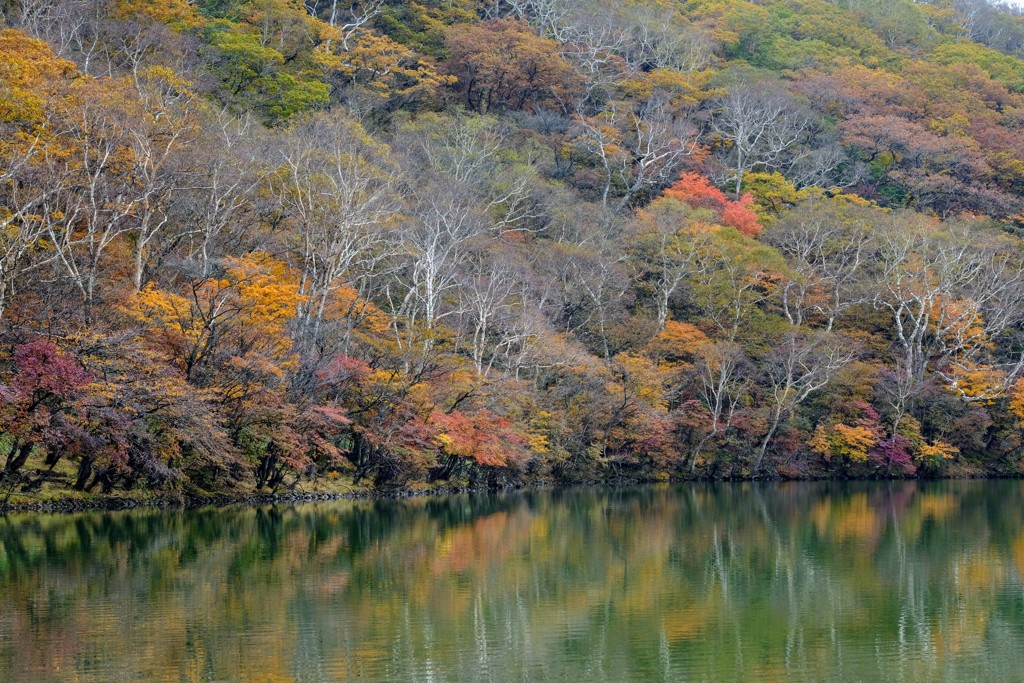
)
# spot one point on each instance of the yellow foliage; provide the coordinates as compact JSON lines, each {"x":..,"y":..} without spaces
{"x":685,"y":88}
{"x":178,"y":14}
{"x":677,"y":341}
{"x":267,"y":291}
{"x":378,"y":63}
{"x":538,"y":443}
{"x":30,"y":75}
{"x":170,"y":311}
{"x":956,"y":125}
{"x":537,"y":432}
{"x":1017,"y":400}
{"x":637,"y":376}
{"x":250,"y":308}
{"x":981,"y":383}
{"x":843,"y":441}
{"x":936,"y":452}
{"x":346,"y":302}
{"x":839,"y":196}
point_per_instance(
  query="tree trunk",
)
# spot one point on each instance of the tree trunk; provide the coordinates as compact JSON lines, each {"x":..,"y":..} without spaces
{"x":18,"y":457}
{"x":84,"y":472}
{"x":777,"y":416}
{"x":265,"y":469}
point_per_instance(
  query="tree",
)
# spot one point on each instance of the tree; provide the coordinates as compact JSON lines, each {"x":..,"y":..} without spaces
{"x":951,"y":292}
{"x":760,"y":125}
{"x":504,"y":64}
{"x":365,"y":59}
{"x":796,"y":368}
{"x":445,"y":219}
{"x":483,"y":154}
{"x":229,"y":171}
{"x":486,"y":439}
{"x":252,"y":71}
{"x":636,"y":146}
{"x":33,"y":85}
{"x":724,"y":373}
{"x":734,"y":277}
{"x":828,"y":246}
{"x":165,"y":124}
{"x":593,"y":283}
{"x":243,"y":313}
{"x":109,"y":172}
{"x":489,"y":289}
{"x":40,"y":407}
{"x":663,"y":254}
{"x":336,"y":187}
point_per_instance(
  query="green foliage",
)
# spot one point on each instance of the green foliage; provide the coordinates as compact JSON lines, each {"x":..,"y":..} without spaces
{"x":252,"y":75}
{"x":423,"y":26}
{"x":1000,"y":67}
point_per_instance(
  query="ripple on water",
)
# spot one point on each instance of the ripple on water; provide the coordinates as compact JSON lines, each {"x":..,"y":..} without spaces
{"x":899,"y":582}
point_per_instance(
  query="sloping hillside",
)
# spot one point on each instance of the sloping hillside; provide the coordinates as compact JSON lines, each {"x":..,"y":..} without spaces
{"x":268,"y":244}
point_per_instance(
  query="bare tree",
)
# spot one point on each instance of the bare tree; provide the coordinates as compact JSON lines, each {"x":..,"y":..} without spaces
{"x":100,"y":198}
{"x":434,"y":247}
{"x":796,"y":369}
{"x":724,"y":375}
{"x":951,"y":292}
{"x":761,"y":124}
{"x":474,"y":151}
{"x":489,"y":290}
{"x":602,"y":34}
{"x":73,"y":28}
{"x":828,"y":247}
{"x":158,"y":135}
{"x":660,"y":38}
{"x":223,"y":184}
{"x":337,"y":187}
{"x":23,"y":189}
{"x":636,"y":146}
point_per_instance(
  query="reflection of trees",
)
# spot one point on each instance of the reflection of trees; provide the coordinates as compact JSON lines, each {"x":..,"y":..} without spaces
{"x":787,"y":581}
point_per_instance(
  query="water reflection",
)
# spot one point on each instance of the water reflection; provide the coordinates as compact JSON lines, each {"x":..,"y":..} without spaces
{"x":901,"y":581}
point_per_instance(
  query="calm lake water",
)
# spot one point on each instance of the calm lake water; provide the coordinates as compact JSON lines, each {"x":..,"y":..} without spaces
{"x":784,"y":582}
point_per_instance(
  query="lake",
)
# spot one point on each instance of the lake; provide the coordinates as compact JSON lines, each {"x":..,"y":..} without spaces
{"x":894,"y":581}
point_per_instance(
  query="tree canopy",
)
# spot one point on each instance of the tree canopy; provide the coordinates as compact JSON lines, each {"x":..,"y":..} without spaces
{"x":268,"y":244}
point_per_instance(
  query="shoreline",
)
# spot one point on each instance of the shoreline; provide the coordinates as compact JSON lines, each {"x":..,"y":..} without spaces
{"x":120,"y":502}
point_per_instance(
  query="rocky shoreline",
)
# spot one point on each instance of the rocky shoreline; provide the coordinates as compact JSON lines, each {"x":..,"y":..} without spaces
{"x":123,"y":502}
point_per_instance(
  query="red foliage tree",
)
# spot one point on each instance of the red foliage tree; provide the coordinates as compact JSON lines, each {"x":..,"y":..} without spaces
{"x":35,"y":408}
{"x":486,"y":439}
{"x":697,"y":191}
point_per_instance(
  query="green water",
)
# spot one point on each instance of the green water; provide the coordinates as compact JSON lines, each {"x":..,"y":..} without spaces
{"x":788,"y":582}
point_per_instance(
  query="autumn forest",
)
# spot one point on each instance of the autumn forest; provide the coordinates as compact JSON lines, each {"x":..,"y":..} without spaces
{"x":355,"y":245}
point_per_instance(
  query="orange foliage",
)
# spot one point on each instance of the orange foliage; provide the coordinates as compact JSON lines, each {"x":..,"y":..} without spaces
{"x":178,"y":14}
{"x":741,"y":215}
{"x":1017,"y":400}
{"x":698,"y":192}
{"x":30,"y":75}
{"x":488,"y":439}
{"x":677,"y":342}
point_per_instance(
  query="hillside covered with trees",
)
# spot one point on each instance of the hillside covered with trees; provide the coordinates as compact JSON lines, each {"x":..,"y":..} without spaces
{"x":259,"y":244}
